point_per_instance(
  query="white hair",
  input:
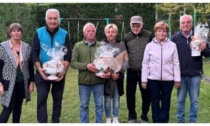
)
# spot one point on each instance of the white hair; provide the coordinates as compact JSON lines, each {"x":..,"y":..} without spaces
{"x":184,"y":16}
{"x":88,"y":24}
{"x":52,"y":11}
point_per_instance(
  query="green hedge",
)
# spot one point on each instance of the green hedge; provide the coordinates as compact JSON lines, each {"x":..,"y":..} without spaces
{"x":19,"y":13}
{"x":98,"y":10}
{"x":32,"y":16}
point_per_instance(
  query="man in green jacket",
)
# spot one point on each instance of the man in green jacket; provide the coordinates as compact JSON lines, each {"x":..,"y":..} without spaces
{"x":82,"y":59}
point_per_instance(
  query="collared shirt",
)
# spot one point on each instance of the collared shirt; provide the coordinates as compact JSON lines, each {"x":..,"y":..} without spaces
{"x":190,"y":34}
{"x":89,"y":44}
{"x":187,"y":36}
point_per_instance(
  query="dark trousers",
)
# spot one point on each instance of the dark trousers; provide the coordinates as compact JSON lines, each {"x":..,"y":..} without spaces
{"x":43,"y":89}
{"x":134,"y":77}
{"x":15,"y":105}
{"x":161,"y":97}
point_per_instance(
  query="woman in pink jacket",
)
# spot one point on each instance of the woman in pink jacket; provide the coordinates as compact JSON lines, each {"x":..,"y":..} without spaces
{"x":160,"y":71}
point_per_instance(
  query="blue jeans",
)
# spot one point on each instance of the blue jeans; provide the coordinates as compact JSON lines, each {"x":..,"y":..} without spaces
{"x":160,"y":92}
{"x":85,"y":93}
{"x":192,"y":86}
{"x":116,"y":103}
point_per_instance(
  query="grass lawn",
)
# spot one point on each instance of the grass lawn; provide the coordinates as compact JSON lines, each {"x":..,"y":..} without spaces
{"x":70,"y":110}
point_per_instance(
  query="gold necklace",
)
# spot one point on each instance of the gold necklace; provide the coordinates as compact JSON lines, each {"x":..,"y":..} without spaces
{"x":16,"y":47}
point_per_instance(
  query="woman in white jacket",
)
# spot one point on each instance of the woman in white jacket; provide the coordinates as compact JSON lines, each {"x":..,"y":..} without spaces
{"x":160,"y":71}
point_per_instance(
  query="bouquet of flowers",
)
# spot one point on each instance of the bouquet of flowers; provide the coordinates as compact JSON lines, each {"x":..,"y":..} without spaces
{"x":105,"y":61}
{"x":200,"y":35}
{"x":55,"y":65}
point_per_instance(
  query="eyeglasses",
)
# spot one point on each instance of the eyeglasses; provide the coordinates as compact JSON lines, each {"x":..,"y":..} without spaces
{"x":135,"y":26}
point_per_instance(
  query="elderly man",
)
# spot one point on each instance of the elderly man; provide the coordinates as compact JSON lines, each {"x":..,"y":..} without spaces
{"x":82,"y":59}
{"x":135,"y":42}
{"x":49,"y":36}
{"x":191,"y":69}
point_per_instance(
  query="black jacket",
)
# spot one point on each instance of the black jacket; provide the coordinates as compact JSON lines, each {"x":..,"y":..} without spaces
{"x":135,"y":45}
{"x":190,"y":66}
{"x":109,"y":88}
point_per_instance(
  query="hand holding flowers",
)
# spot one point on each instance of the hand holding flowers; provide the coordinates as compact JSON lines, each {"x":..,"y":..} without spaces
{"x":199,"y":39}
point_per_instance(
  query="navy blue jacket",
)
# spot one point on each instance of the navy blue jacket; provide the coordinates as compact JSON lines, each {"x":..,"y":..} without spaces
{"x":190,"y":66}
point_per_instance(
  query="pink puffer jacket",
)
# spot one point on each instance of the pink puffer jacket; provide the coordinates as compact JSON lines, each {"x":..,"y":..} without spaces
{"x":161,"y":61}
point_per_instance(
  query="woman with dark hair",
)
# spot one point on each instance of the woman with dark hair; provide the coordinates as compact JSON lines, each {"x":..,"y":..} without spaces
{"x":16,"y":74}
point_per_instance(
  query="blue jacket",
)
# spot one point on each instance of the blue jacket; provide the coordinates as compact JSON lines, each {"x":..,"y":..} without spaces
{"x":45,"y":38}
{"x":189,"y":66}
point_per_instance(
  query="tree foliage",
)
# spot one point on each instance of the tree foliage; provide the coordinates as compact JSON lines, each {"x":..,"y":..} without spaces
{"x":32,"y":16}
{"x":19,"y":13}
{"x":98,"y":11}
{"x":146,"y":10}
{"x":177,"y":9}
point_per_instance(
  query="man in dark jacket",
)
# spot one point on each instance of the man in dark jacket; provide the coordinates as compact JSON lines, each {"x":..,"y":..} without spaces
{"x":135,"y":42}
{"x":191,"y":69}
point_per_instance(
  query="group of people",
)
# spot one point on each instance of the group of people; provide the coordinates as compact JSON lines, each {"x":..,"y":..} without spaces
{"x":17,"y":61}
{"x":152,"y":61}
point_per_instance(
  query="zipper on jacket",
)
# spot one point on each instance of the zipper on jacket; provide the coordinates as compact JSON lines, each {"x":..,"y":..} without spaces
{"x":188,"y":42}
{"x":90,"y":62}
{"x":161,"y":65}
{"x":137,"y":63}
{"x":51,"y":42}
{"x":52,"y":36}
{"x":188,"y":59}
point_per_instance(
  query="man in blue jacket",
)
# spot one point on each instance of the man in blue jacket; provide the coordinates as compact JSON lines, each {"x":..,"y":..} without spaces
{"x":191,"y":69}
{"x":49,"y":36}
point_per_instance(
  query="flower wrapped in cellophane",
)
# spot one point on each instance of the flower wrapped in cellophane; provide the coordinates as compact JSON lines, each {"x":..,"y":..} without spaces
{"x":55,"y":65}
{"x":105,"y":61}
{"x":201,"y":32}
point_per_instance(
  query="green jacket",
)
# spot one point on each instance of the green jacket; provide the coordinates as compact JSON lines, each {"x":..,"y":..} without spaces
{"x":81,"y":56}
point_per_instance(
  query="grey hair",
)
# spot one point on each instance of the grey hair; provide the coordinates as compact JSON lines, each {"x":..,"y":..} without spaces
{"x":184,"y":16}
{"x":15,"y":26}
{"x":52,"y":11}
{"x":88,"y":24}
